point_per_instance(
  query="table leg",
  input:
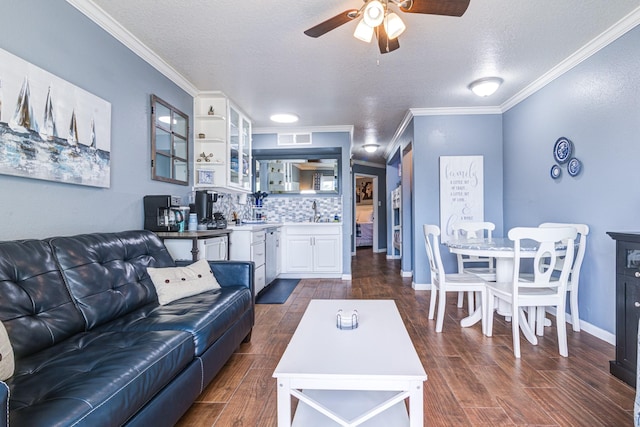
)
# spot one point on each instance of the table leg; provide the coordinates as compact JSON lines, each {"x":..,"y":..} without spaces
{"x":284,"y":402}
{"x":504,"y":273}
{"x":194,"y":249}
{"x":416,"y":413}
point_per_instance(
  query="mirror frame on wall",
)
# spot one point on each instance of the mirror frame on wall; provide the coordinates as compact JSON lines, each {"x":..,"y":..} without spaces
{"x":174,"y":153}
{"x":333,"y":153}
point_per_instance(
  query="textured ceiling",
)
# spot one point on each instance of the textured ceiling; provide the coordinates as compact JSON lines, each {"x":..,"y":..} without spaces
{"x":256,"y":53}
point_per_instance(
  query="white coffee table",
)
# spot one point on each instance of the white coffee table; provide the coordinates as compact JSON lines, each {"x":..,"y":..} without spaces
{"x":358,"y":377}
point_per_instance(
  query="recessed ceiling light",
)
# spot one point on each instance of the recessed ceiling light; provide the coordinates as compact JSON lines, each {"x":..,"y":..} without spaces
{"x":284,"y":118}
{"x":486,"y":86}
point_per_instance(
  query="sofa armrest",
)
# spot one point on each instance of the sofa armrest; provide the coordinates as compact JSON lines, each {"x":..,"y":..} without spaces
{"x":230,"y":273}
{"x":4,"y":400}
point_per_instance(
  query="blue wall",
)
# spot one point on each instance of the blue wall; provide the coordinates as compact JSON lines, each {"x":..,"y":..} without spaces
{"x":462,"y":135}
{"x":54,"y":36}
{"x":597,"y":106}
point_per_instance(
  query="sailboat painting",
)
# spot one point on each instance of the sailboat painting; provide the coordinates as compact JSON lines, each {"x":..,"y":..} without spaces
{"x":51,"y":129}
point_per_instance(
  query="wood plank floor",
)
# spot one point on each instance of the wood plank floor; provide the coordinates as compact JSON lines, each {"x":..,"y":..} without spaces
{"x":473,"y":380}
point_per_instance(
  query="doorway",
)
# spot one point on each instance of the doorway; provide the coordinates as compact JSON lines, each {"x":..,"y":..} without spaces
{"x":365,"y":223}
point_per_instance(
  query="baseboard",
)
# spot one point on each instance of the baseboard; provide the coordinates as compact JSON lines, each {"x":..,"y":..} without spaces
{"x":394,"y":256}
{"x":380,"y":250}
{"x":589,"y":328}
{"x":406,"y":273}
{"x":346,"y":277}
{"x":421,"y":286}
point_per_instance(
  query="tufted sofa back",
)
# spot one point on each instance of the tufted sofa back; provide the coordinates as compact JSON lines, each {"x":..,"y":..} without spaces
{"x":53,"y":289}
{"x":35,"y":305}
{"x":106,"y":273}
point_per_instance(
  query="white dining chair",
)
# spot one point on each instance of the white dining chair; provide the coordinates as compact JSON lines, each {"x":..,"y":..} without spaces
{"x":574,"y":274}
{"x":441,"y":282}
{"x":480,"y":266}
{"x":543,"y":290}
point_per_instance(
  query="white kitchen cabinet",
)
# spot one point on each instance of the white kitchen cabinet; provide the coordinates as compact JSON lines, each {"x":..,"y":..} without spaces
{"x":247,"y":244}
{"x":222,"y":144}
{"x":312,"y":250}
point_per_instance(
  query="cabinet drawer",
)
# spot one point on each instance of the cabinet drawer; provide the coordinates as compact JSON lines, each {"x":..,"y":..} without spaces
{"x":312,"y":230}
{"x":258,"y":236}
{"x":259,"y":277}
{"x":258,"y":253}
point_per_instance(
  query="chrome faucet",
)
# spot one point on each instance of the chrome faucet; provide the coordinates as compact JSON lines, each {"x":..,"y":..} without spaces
{"x":314,"y":206}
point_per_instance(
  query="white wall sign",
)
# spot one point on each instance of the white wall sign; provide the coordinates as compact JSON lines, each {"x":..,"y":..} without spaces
{"x":461,"y":191}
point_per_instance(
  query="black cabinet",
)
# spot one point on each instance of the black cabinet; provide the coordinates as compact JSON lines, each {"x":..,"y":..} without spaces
{"x":627,"y":305}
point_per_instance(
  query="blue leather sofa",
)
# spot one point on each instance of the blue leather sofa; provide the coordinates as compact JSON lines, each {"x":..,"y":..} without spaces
{"x":92,"y":345}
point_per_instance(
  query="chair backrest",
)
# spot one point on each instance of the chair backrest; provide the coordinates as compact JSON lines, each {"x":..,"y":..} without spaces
{"x":472,"y":229}
{"x":432,"y":243}
{"x":583,"y":232}
{"x":549,"y":240}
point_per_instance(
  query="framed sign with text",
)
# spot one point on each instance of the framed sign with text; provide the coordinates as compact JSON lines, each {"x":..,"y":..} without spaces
{"x":461,"y":191}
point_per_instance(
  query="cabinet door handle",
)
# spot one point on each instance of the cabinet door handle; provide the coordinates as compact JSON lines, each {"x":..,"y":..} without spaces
{"x":637,"y":273}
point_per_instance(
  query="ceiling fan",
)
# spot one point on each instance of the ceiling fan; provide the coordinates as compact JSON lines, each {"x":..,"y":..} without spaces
{"x":379,"y":19}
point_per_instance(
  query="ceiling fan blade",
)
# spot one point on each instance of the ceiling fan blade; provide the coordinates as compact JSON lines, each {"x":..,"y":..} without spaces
{"x":385,"y":44}
{"x":436,"y":7}
{"x":332,"y":23}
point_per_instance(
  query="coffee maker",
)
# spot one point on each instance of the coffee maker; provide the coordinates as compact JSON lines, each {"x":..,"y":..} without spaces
{"x":204,"y":209}
{"x":162,"y":213}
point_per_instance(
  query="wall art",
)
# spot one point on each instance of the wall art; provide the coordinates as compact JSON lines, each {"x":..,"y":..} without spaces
{"x":51,"y":129}
{"x":461,"y":191}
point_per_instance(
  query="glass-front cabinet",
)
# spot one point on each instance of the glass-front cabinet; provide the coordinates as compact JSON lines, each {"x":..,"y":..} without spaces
{"x":222,"y":144}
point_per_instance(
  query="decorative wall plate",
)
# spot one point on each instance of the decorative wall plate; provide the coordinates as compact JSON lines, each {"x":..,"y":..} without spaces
{"x":555,"y":172}
{"x":562,"y":150}
{"x":574,"y":166}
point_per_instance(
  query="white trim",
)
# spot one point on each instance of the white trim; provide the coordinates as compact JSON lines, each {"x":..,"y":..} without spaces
{"x":115,"y":29}
{"x":370,"y":164}
{"x":421,"y":286}
{"x":588,"y":328}
{"x":302,"y":129}
{"x":346,"y":277}
{"x":389,"y":256}
{"x":380,"y":250}
{"x":454,"y":111}
{"x":404,"y":273}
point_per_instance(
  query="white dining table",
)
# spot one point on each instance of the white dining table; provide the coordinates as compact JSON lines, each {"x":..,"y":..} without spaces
{"x":501,"y":249}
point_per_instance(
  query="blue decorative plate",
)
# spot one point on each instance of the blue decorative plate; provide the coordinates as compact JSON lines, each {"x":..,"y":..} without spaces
{"x":555,"y":172}
{"x":574,"y":166}
{"x":562,"y":150}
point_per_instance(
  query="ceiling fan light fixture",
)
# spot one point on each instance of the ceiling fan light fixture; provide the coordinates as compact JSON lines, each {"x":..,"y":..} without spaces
{"x":370,"y":148}
{"x":373,"y":13}
{"x":393,"y":25}
{"x":363,"y":32}
{"x":486,"y":86}
{"x":284,"y":118}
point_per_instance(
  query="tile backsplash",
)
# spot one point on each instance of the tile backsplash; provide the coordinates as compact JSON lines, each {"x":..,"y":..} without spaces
{"x":281,"y":209}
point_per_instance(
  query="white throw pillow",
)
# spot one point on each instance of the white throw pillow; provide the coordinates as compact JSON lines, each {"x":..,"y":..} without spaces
{"x":173,"y":283}
{"x":7,"y":362}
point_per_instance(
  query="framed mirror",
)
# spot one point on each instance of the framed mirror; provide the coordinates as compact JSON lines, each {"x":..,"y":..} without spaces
{"x":169,"y":143}
{"x":297,"y":172}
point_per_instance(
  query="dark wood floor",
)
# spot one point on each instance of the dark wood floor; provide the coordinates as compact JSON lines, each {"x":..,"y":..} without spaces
{"x":473,"y":380}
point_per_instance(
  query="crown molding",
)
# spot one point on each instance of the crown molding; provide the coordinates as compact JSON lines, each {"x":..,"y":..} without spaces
{"x":610,"y":35}
{"x":111,"y":26}
{"x":302,"y":129}
{"x":370,"y":164}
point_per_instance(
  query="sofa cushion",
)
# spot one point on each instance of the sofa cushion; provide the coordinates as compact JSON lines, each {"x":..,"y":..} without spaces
{"x":107,"y":272}
{"x":35,"y":304}
{"x":172,"y":283}
{"x":206,"y":316}
{"x":7,"y":364}
{"x":96,"y":379}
